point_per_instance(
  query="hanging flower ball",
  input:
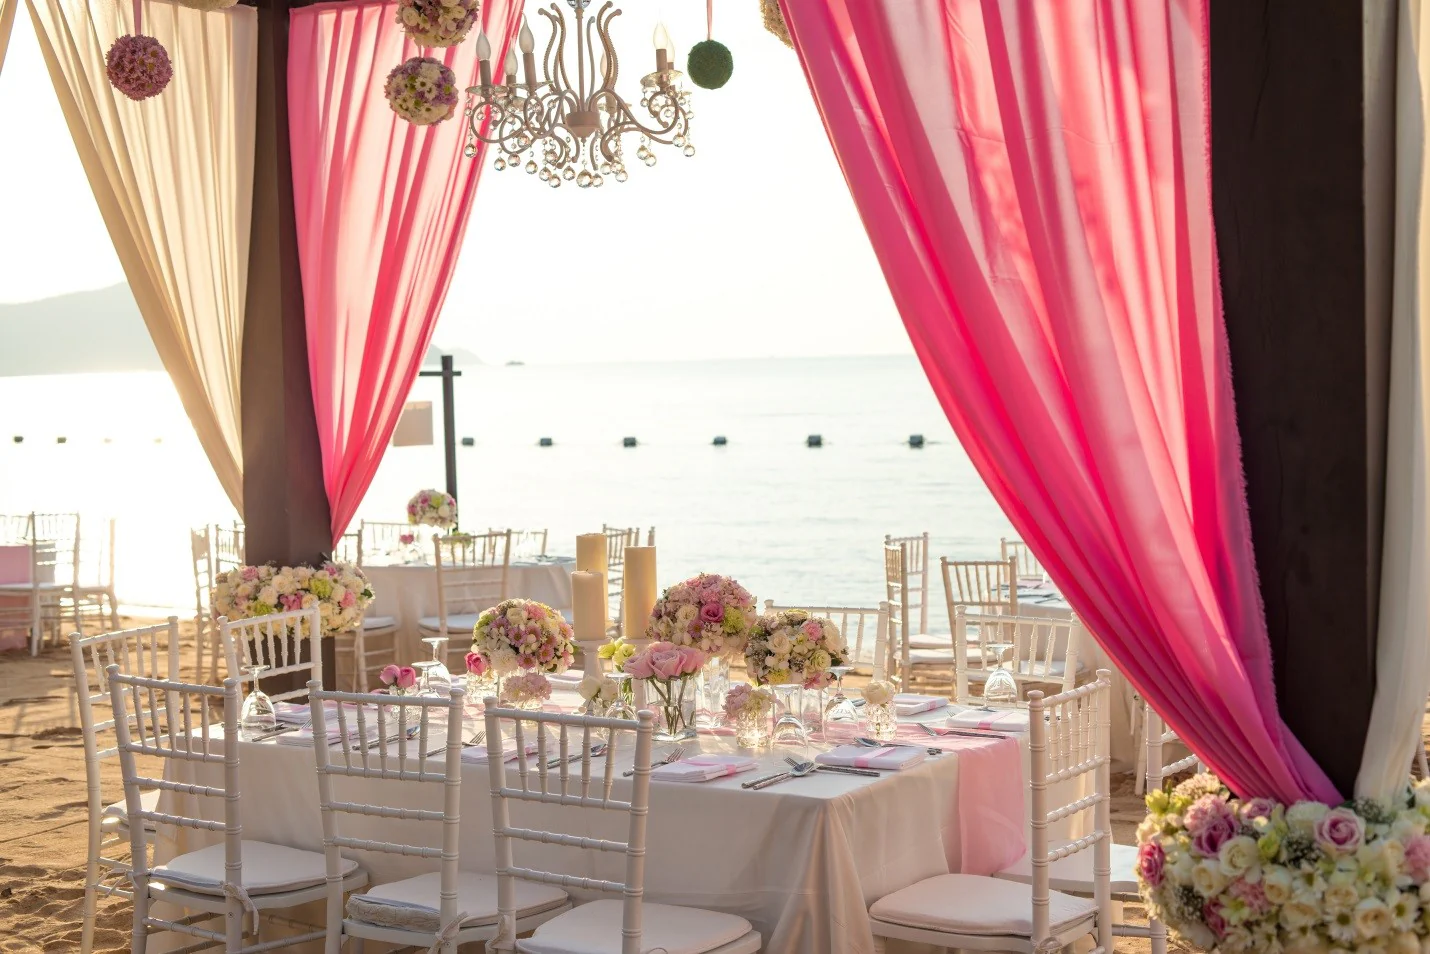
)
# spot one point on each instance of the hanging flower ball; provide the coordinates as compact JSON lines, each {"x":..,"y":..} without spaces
{"x":208,"y":6}
{"x":775,"y":21}
{"x":138,"y":66}
{"x":437,"y":22}
{"x":422,"y":91}
{"x":709,"y":64}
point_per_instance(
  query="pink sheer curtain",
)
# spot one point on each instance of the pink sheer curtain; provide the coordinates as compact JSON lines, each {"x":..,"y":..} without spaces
{"x":1035,"y":181}
{"x":381,"y":209}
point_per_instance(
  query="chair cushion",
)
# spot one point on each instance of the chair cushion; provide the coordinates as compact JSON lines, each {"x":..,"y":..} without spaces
{"x":149,"y":801}
{"x":1073,"y":874}
{"x":414,"y":904}
{"x":456,"y":623}
{"x":974,"y":904}
{"x":595,"y":928}
{"x":267,"y":869}
{"x":380,"y":622}
{"x":944,"y":657}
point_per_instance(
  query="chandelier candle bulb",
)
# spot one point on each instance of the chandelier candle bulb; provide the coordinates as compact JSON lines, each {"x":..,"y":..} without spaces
{"x":510,"y":67}
{"x":484,"y":57}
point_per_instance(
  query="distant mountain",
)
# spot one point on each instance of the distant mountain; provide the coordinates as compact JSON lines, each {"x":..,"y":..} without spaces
{"x":71,"y":334}
{"x":101,"y":331}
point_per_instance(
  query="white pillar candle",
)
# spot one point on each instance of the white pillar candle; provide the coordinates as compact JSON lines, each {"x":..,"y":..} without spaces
{"x":640,"y":592}
{"x":588,"y":605}
{"x":591,"y":557}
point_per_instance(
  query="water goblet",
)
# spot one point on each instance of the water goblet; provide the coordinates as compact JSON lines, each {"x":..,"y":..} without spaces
{"x":790,"y":728}
{"x":424,"y":685}
{"x":436,"y":677}
{"x":257,"y":717}
{"x":840,"y":708}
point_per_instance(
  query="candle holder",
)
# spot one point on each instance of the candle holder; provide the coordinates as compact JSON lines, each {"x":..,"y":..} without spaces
{"x":883,"y":721}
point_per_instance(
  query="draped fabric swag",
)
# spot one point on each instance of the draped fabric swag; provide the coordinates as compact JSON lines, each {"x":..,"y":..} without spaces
{"x":1035,"y":182}
{"x":173,"y":178}
{"x":381,"y":209}
{"x":7,"y":26}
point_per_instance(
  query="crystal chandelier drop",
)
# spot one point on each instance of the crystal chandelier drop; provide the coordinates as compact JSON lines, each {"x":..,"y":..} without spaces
{"x":569,"y":126}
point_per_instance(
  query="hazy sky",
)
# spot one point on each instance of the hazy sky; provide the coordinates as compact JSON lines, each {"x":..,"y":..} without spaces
{"x":751,"y":248}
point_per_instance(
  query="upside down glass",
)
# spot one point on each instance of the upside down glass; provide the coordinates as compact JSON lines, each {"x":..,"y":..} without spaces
{"x":790,"y":728}
{"x":257,"y":716}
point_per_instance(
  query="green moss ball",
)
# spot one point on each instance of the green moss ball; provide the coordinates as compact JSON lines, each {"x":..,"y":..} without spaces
{"x":709,"y":64}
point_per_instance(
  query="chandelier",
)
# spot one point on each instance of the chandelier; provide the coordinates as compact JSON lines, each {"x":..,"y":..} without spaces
{"x":569,"y":125}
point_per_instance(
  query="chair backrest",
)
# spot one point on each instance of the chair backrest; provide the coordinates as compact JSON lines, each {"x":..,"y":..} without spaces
{"x":576,"y":793}
{"x":472,"y":572}
{"x":896,"y":593}
{"x":54,"y":540}
{"x":1069,"y":737}
{"x":1035,"y":649}
{"x":384,"y":758}
{"x":916,"y":574}
{"x":228,"y":549}
{"x":288,"y":642}
{"x":617,"y":539}
{"x":201,"y":547}
{"x":378,"y":539}
{"x":984,"y":586}
{"x":1158,"y":735}
{"x":150,"y":651}
{"x":1024,"y":563}
{"x":865,"y":628}
{"x":14,"y":528}
{"x":96,"y":556}
{"x":348,"y":549}
{"x":527,"y":543}
{"x":650,"y":537}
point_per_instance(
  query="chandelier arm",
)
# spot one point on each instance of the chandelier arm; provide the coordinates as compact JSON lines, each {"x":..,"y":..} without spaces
{"x":613,"y":60}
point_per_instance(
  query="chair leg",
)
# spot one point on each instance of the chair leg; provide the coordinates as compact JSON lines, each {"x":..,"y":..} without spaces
{"x":1158,"y":930}
{"x":91,"y":900}
{"x":879,"y":944}
{"x":139,"y":937}
{"x":233,"y":925}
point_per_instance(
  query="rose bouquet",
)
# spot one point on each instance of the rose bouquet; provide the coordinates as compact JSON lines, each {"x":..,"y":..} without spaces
{"x":1237,"y":875}
{"x":437,"y":22}
{"x":432,"y":508}
{"x":710,"y":613}
{"x":669,"y":670}
{"x":398,"y":680}
{"x":879,"y":712}
{"x":339,"y":590}
{"x":794,"y":647}
{"x":524,"y":634}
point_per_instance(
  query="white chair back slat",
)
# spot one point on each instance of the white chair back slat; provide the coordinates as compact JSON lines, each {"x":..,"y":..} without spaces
{"x":228,"y":548}
{"x":1157,"y":736}
{"x":1036,"y":650}
{"x":527,"y":544}
{"x":983,"y":586}
{"x":378,"y":541}
{"x":286,"y":643}
{"x":535,"y":783}
{"x":896,"y":592}
{"x":865,"y":628}
{"x":1025,"y":565}
{"x":473,"y":573}
{"x":915,"y":575}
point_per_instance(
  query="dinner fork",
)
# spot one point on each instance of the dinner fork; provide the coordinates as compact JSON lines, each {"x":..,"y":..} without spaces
{"x":970,"y":733}
{"x":674,"y":755}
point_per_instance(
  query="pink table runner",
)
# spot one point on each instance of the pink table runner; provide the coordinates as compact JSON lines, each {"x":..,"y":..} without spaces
{"x":14,"y":564}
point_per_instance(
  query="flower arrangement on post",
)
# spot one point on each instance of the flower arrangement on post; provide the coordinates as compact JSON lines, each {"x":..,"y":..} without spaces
{"x":794,"y":647}
{"x":339,"y":590}
{"x":437,"y":22}
{"x":523,"y":634}
{"x":526,"y":691}
{"x":748,"y":710}
{"x":1242,"y":875}
{"x":432,"y":508}
{"x":670,"y":669}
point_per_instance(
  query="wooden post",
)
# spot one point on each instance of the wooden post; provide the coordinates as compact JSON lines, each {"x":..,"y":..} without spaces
{"x":449,"y":418}
{"x":1300,"y":114}
{"x":286,"y":513}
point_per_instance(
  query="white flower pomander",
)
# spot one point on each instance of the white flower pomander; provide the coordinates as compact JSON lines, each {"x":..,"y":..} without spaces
{"x":437,"y":22}
{"x":208,"y":6}
{"x":422,"y":91}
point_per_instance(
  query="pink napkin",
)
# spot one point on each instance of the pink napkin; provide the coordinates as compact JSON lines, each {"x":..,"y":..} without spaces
{"x":859,"y":756}
{"x":702,"y":768}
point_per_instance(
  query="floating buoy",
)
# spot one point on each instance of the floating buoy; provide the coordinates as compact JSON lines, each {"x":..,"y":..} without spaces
{"x":628,"y":442}
{"x":18,"y":439}
{"x":61,"y":440}
{"x":814,"y":440}
{"x":720,"y":441}
{"x":109,"y":440}
{"x":544,"y":442}
{"x":916,"y":440}
{"x":158,"y":440}
{"x":469,"y":442}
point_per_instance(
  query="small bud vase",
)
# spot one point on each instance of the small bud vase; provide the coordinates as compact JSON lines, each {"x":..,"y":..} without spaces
{"x":883,"y":722}
{"x":674,"y":708}
{"x":752,"y":731}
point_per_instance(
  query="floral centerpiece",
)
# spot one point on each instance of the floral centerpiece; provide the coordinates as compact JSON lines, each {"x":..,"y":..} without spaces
{"x":524,"y":634}
{"x":707,"y":612}
{"x":669,"y":670}
{"x":600,"y":692}
{"x":879,"y":710}
{"x":437,"y":22}
{"x":422,"y":90}
{"x":432,"y":508}
{"x":792,"y":646}
{"x":1241,"y":875}
{"x":526,"y":691}
{"x":748,"y":710}
{"x":398,"y":680}
{"x":339,"y":590}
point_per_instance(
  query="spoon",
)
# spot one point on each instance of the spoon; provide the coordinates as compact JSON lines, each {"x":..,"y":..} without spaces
{"x":840,"y":769}
{"x":869,"y":743}
{"x":800,"y":770}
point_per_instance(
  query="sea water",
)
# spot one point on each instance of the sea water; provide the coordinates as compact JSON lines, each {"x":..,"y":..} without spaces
{"x":794,"y":523}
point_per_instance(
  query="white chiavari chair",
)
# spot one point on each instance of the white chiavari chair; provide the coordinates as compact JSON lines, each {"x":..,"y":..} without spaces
{"x":865,"y":629}
{"x":916,"y":581}
{"x":151,"y":651}
{"x":285,"y":643}
{"x":1035,"y":650}
{"x":982,"y":586}
{"x":911,"y":659}
{"x":1025,"y":565}
{"x":436,"y":910}
{"x":379,"y":542}
{"x":228,"y":548}
{"x":630,"y":926}
{"x":372,"y":645}
{"x":472,"y":574}
{"x":1157,"y":737}
{"x":94,"y":582}
{"x":233,"y":878}
{"x":206,"y":638}
{"x":617,"y":539}
{"x":1068,"y":741}
{"x":14,"y":528}
{"x":48,"y":595}
{"x":527,"y":544}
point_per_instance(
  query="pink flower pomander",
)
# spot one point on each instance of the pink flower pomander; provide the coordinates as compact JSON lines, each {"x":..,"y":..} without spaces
{"x":139,"y":67}
{"x":1151,"y":860}
{"x":1340,"y":831}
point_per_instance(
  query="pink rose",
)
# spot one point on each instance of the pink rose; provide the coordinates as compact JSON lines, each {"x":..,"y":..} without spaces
{"x":1254,"y":808}
{"x":1251,"y":893}
{"x":1340,"y":831}
{"x":349,"y":598}
{"x":1150,"y":860}
{"x":388,"y":676}
{"x":1211,"y":914}
{"x":813,"y":630}
{"x":535,"y":611}
{"x":406,"y":677}
{"x":712,"y":613}
{"x":250,"y":573}
{"x":639,"y":667}
{"x":476,"y":664}
{"x":1215,"y":825}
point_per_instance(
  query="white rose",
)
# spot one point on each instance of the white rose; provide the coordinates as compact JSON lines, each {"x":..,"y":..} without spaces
{"x":1372,"y":918}
{"x":1207,"y":878}
{"x":780,"y":644}
{"x":685,"y":616}
{"x":1238,"y":855}
{"x":878,"y":693}
{"x":819,"y":661}
{"x":1341,"y":895}
{"x":589,"y":687}
{"x":1276,"y":882}
{"x":516,"y":615}
{"x":1303,"y":816}
{"x":1300,"y":912}
{"x":609,"y":689}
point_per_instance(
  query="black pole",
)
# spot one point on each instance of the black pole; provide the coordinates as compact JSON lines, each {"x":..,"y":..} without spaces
{"x":449,"y":424}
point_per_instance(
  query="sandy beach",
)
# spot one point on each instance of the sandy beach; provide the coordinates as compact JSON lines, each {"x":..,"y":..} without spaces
{"x":42,"y":810}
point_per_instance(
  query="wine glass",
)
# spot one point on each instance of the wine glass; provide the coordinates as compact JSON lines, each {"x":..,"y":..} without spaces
{"x":436,"y":677}
{"x":790,"y":728}
{"x":257,"y":717}
{"x":840,"y":707}
{"x":621,"y":709}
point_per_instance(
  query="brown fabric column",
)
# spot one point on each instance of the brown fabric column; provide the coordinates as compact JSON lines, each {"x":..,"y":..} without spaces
{"x":1308,"y":322}
{"x":286,"y":512}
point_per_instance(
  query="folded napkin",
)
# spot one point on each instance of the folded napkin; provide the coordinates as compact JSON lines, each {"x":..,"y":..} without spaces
{"x":702,"y":768}
{"x":304,"y":736}
{"x":859,"y":756}
{"x":477,"y":754}
{"x":1001,"y":720}
{"x":291,"y":713}
{"x":907,"y":703}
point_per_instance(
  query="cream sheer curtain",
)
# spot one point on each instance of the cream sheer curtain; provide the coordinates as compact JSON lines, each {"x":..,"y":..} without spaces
{"x":7,"y":24}
{"x":1403,"y":645}
{"x":173,"y":176}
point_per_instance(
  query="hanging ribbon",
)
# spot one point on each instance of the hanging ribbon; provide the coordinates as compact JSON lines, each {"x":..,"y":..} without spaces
{"x":709,"y":19}
{"x":138,"y":18}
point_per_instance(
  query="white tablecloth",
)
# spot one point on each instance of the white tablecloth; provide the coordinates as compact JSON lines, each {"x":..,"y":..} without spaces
{"x":802,"y":860}
{"x":408,"y":593}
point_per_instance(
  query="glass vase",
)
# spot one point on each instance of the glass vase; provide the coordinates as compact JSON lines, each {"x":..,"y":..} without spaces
{"x":674,"y":708}
{"x":752,"y":731}
{"x":714,"y":683}
{"x":883,"y":722}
